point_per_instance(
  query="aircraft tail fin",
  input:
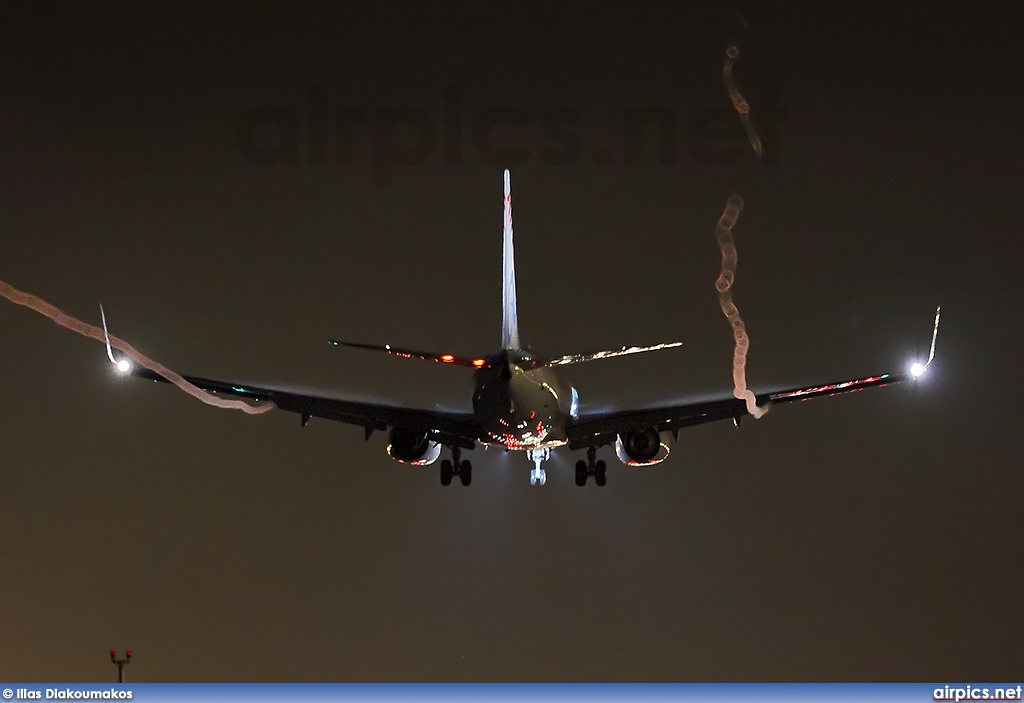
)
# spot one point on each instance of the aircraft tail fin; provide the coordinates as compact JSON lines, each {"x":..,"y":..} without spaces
{"x":509,"y":315}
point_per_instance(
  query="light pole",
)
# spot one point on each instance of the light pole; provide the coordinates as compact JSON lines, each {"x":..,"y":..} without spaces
{"x":120,"y":663}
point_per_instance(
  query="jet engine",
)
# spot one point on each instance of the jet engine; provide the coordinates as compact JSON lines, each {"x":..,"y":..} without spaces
{"x":410,"y":447}
{"x":643,"y":448}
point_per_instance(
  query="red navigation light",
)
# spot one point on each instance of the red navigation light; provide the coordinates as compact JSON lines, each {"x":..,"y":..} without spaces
{"x":478,"y":362}
{"x":447,"y":358}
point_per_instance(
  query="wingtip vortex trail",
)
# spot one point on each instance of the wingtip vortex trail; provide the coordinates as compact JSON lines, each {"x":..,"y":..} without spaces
{"x":739,"y":102}
{"x":723,"y":284}
{"x":37,"y":304}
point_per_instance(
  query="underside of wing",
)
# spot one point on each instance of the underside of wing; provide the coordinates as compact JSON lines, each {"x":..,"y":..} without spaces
{"x":599,"y":429}
{"x":452,"y":428}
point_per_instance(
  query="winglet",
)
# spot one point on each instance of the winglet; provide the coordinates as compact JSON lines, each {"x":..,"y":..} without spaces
{"x":935,"y":334}
{"x":123,"y":366}
{"x":110,"y":352}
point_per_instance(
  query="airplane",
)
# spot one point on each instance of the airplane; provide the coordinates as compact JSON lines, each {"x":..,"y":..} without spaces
{"x":521,"y":403}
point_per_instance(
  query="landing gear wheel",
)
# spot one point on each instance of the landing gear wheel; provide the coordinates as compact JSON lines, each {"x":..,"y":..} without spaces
{"x":446,"y":473}
{"x":538,"y":476}
{"x":581,"y":473}
{"x":466,"y":473}
{"x":600,"y":475}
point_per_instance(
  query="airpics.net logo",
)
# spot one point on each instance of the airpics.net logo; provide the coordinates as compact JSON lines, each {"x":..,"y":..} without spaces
{"x":978,"y":693}
{"x":402,"y":136}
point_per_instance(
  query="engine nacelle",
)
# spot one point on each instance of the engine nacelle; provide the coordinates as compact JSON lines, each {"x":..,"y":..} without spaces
{"x":643,"y":448}
{"x":409,"y":447}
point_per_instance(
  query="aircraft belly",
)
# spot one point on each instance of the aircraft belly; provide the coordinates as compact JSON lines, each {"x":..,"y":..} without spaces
{"x":524,"y":415}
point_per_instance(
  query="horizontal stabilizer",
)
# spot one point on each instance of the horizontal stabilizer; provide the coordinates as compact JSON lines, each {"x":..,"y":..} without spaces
{"x":410,"y":354}
{"x":578,"y":358}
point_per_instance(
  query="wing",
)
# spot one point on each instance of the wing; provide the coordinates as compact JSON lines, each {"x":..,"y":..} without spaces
{"x":450,"y":428}
{"x":596,"y":430}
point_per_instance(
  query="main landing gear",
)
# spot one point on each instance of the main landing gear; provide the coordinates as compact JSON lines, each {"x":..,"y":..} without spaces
{"x":538,"y":476}
{"x":590,"y":467}
{"x":455,"y":467}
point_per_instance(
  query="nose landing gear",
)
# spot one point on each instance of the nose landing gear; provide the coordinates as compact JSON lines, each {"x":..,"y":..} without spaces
{"x":538,"y":476}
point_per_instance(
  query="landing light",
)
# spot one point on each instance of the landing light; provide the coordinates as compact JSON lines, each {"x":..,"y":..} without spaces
{"x":917,"y":370}
{"x":123,"y":366}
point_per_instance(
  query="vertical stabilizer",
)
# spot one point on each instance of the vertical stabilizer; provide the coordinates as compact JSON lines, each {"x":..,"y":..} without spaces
{"x":509,"y":317}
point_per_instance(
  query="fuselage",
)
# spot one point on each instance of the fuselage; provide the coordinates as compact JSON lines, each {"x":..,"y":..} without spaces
{"x":522,"y":404}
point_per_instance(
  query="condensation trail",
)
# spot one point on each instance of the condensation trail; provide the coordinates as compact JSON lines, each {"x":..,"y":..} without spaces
{"x":723,"y":232}
{"x":75,"y":325}
{"x":732,"y":52}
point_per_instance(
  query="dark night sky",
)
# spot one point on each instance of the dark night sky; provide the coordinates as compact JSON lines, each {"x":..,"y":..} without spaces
{"x":872,"y":537}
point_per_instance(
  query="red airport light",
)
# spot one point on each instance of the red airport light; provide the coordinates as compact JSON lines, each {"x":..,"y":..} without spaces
{"x":120,"y":662}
